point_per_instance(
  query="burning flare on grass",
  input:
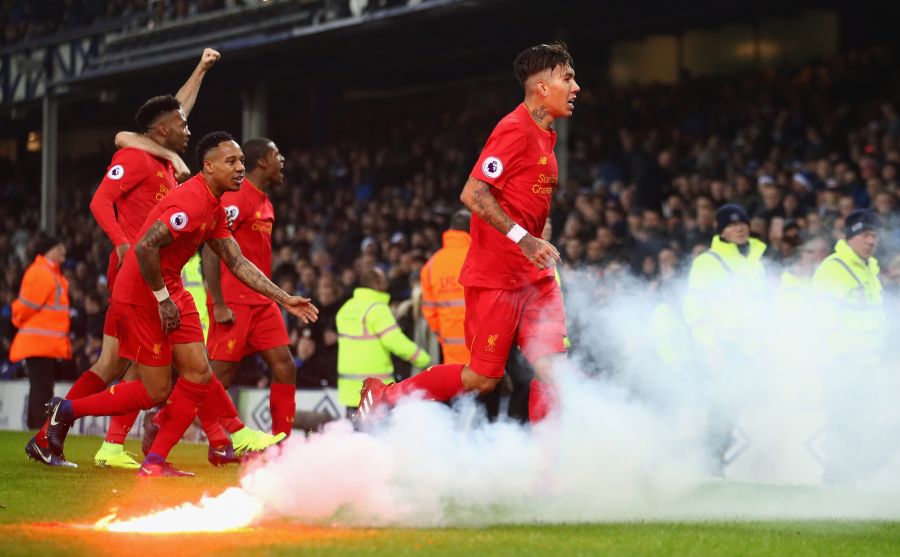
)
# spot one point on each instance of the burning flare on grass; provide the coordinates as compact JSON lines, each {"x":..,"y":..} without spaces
{"x":231,"y":510}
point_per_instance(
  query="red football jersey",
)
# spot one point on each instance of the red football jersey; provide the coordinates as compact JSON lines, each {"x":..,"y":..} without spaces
{"x":193,"y":215}
{"x":135,"y":182}
{"x":253,"y":217}
{"x":519,"y":163}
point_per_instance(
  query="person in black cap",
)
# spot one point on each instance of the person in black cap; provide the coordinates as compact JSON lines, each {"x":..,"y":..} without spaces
{"x":725,"y":287}
{"x":850,"y":295}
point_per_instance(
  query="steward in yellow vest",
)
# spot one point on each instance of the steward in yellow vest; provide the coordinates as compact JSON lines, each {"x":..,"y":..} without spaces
{"x":848,"y":278}
{"x":367,"y":336}
{"x":725,"y":286}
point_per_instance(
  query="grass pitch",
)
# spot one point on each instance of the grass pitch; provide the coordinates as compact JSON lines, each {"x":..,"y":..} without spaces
{"x":47,"y":511}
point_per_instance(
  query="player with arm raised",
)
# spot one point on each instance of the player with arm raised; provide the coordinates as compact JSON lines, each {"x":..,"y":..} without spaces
{"x":140,"y":174}
{"x":158,"y":322}
{"x":511,"y":295}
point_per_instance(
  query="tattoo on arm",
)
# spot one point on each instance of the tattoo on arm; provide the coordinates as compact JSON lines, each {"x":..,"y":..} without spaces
{"x":485,"y":205}
{"x":209,"y":262}
{"x":539,"y":114}
{"x":230,"y":254}
{"x":147,"y":253}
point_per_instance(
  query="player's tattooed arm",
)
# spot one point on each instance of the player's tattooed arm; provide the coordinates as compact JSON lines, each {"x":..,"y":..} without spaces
{"x":144,"y":143}
{"x":212,"y":274}
{"x":147,"y":253}
{"x":230,"y":254}
{"x":478,"y":198}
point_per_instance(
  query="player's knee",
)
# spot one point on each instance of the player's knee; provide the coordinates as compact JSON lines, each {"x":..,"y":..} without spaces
{"x":479,"y":383}
{"x":106,"y":368}
{"x":284,"y":372}
{"x":201,"y":376}
{"x":159,"y":393}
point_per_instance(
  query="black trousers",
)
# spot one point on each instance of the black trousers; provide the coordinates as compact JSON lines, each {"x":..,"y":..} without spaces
{"x":41,"y":376}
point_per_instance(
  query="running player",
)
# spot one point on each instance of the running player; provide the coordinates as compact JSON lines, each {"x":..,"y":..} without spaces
{"x":510,"y":291}
{"x":157,"y":319}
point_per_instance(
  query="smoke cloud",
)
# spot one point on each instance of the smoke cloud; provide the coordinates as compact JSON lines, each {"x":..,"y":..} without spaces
{"x":786,"y":426}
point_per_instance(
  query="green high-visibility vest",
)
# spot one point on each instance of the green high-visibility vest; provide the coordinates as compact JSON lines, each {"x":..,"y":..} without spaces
{"x":192,"y":278}
{"x":854,"y":312}
{"x":367,"y":336}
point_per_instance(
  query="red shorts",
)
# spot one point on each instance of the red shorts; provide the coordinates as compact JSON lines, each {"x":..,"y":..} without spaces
{"x":141,"y":338}
{"x":533,"y":316}
{"x":255,"y":328}
{"x":109,"y":324}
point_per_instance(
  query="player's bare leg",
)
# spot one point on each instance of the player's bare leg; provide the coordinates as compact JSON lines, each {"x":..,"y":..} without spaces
{"x":109,"y":366}
{"x":225,"y":371}
{"x":544,"y":396}
{"x":282,"y":405}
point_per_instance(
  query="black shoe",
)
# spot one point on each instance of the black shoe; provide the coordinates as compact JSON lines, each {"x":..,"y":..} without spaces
{"x":59,"y":428}
{"x":46,"y":456}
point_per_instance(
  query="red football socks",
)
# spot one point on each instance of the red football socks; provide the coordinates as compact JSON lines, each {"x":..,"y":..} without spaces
{"x":121,"y":398}
{"x":88,"y":383}
{"x":119,"y":426}
{"x":542,"y":398}
{"x":182,"y":408}
{"x":440,"y":382}
{"x":218,"y":406}
{"x":282,"y":407}
{"x":209,"y":416}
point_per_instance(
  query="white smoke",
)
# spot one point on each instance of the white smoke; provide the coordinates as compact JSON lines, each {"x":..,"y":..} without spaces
{"x":636,"y":438}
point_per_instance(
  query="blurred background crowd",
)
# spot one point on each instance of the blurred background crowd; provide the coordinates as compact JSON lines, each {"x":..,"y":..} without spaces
{"x":799,"y":148}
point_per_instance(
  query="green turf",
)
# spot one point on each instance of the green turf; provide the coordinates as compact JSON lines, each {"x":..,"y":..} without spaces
{"x":39,"y":503}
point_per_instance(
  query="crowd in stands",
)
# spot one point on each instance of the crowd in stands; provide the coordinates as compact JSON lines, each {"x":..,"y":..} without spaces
{"x":27,"y":20}
{"x":648,"y":165}
{"x":24,"y":20}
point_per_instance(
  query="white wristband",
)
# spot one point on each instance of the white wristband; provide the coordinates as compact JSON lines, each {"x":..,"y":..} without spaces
{"x":516,"y":233}
{"x":161,"y":294}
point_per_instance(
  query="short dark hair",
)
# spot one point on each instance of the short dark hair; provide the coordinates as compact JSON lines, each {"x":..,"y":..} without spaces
{"x":43,"y":245}
{"x":539,"y":58}
{"x":371,"y":278}
{"x":461,"y":220}
{"x":209,"y":142}
{"x":153,"y":109}
{"x":255,"y":150}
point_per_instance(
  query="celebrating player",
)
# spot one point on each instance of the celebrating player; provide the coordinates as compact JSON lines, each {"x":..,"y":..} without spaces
{"x":137,"y":178}
{"x":157,"y":319}
{"x":243,"y":321}
{"x":510,"y":291}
